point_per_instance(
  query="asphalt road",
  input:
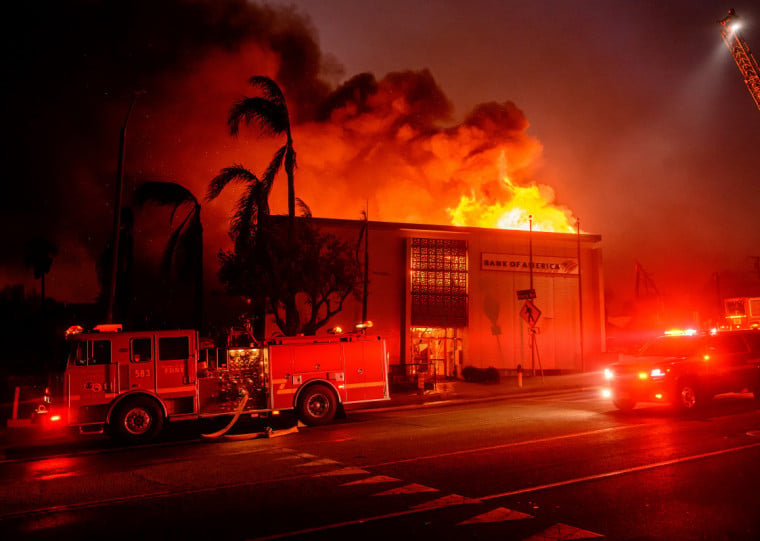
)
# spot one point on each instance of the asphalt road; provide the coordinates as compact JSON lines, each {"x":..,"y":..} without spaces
{"x":560,"y":466}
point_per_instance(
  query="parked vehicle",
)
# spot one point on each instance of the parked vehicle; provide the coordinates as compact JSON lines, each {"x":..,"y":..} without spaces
{"x":686,"y":369}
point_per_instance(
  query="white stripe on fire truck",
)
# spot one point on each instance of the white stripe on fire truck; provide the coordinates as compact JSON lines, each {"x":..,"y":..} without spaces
{"x":79,"y":396}
{"x":175,"y":389}
{"x":347,"y":386}
{"x":366,"y":384}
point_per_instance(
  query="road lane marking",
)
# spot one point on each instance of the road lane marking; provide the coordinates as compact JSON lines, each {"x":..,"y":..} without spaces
{"x":500,"y":514}
{"x":445,"y":501}
{"x":348,"y":470}
{"x":372,"y":480}
{"x":615,"y":473}
{"x":412,"y":488}
{"x":561,"y":532}
{"x":317,"y":462}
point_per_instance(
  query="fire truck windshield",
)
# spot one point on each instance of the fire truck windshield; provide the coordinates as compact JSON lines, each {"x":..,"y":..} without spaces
{"x":735,"y":308}
{"x":77,"y":353}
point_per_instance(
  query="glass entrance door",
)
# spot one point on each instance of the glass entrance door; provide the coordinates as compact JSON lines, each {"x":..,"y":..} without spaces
{"x":437,"y":350}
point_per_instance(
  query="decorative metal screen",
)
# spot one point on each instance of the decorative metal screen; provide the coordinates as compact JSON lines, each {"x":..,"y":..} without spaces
{"x":438,"y":282}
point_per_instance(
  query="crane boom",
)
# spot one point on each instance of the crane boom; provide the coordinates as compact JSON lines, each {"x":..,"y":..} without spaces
{"x":742,"y":55}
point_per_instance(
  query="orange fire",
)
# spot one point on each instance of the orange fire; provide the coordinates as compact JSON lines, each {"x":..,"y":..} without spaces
{"x":514,"y":213}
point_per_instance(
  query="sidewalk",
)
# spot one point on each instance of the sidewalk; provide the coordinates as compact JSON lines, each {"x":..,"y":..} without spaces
{"x":447,"y":391}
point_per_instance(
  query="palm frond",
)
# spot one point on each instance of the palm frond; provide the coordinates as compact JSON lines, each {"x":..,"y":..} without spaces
{"x":271,"y":117}
{"x":236,"y":173}
{"x":268,"y":87}
{"x":245,"y":213}
{"x":163,"y":193}
{"x":303,"y":208}
{"x":274,"y":166}
{"x":170,"y":250}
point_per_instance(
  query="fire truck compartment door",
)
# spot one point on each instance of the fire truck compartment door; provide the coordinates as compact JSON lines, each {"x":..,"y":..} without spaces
{"x":365,"y":370}
{"x":281,"y":369}
{"x":292,"y":365}
{"x":317,"y":358}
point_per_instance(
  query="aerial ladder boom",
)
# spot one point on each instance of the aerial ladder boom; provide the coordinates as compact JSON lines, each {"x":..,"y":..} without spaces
{"x":741,"y":53}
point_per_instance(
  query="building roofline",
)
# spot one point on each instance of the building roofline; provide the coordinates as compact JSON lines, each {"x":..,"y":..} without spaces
{"x":456,"y":229}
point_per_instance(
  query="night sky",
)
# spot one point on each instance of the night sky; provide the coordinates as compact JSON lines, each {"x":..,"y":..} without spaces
{"x":631,"y":116}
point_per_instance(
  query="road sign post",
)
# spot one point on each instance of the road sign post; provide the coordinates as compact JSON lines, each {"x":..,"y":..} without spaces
{"x":531,"y":314}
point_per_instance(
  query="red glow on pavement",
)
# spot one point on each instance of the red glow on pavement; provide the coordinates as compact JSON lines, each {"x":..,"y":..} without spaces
{"x":52,"y":468}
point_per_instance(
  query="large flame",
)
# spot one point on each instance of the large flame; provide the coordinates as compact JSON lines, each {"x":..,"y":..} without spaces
{"x":523,"y":204}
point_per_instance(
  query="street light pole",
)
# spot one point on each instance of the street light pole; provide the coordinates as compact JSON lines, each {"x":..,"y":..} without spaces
{"x":530,"y":249}
{"x":532,"y":330}
{"x":117,"y":210}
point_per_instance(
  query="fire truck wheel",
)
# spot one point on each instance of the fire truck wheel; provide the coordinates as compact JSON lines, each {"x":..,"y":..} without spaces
{"x":136,"y":420}
{"x":317,"y":405}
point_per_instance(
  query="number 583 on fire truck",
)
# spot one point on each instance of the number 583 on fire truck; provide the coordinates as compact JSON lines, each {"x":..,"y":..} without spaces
{"x":129,"y":384}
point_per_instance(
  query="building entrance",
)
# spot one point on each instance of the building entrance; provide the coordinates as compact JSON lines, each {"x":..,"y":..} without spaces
{"x":437,"y":351}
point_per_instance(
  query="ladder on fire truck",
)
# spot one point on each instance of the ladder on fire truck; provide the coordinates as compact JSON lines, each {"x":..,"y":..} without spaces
{"x":739,"y":49}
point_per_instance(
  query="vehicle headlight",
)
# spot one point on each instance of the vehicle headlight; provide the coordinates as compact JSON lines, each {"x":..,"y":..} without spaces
{"x":608,"y":374}
{"x":657,"y":373}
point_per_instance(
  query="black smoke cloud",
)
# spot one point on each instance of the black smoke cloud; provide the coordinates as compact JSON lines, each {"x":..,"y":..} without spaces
{"x":73,"y":66}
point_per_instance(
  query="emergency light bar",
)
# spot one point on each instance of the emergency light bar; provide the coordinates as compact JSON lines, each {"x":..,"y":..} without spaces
{"x":108,"y":327}
{"x":681,"y":332}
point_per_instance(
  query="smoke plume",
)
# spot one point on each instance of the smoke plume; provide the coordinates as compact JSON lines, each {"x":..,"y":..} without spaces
{"x":387,"y":142}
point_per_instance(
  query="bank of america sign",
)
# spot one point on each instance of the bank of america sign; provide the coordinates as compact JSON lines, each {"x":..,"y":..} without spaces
{"x":521,"y":263}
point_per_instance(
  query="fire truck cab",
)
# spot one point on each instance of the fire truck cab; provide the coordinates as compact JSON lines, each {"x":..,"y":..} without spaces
{"x":742,"y":312}
{"x":130,"y":383}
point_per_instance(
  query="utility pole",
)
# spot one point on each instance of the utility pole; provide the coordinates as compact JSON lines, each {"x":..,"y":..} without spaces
{"x":365,"y":287}
{"x":580,"y":291}
{"x":117,"y":210}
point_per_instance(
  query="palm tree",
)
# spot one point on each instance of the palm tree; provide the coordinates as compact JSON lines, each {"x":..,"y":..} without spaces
{"x":253,"y":206}
{"x":252,"y":210}
{"x":39,"y":257}
{"x":185,"y":245}
{"x":271,"y":114}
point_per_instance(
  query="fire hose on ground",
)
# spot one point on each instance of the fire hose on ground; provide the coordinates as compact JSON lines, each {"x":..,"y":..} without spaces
{"x":268,"y":432}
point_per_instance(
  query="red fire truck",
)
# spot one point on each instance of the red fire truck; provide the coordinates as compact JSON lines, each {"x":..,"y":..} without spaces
{"x":129,"y":383}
